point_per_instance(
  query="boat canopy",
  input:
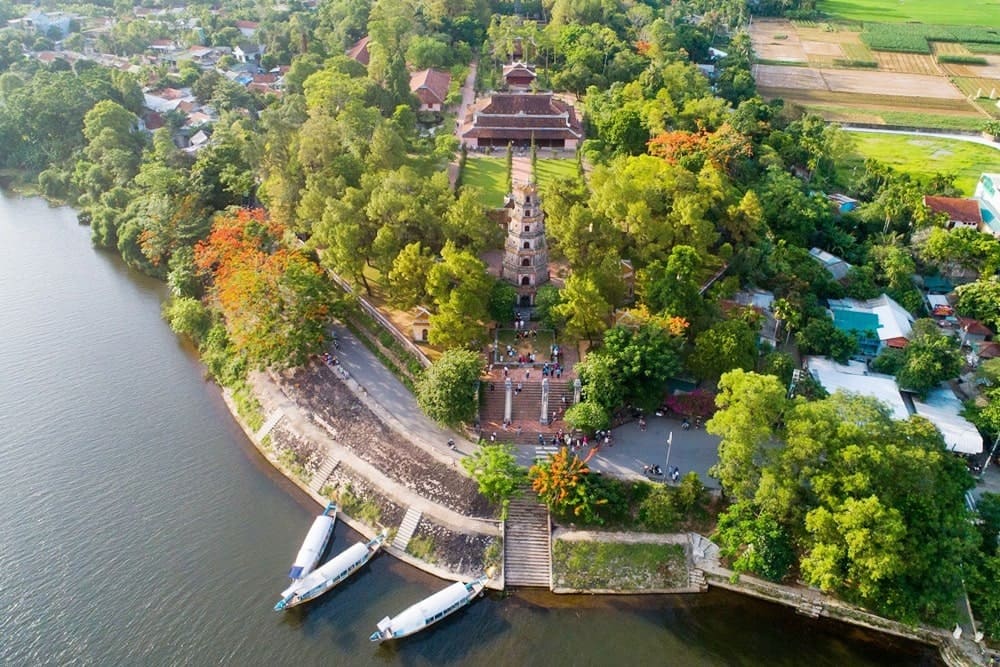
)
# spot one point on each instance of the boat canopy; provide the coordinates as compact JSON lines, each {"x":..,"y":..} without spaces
{"x":312,"y":547}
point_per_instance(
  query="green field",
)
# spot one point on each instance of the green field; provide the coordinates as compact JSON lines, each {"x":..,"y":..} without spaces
{"x":924,"y":156}
{"x":968,"y":12}
{"x":489,"y":174}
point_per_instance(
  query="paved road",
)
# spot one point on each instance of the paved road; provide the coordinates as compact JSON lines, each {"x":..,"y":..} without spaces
{"x":382,"y":386}
{"x":468,"y":97}
{"x":930,"y":133}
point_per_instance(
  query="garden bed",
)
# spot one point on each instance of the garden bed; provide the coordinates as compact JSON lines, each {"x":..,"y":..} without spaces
{"x":618,"y":566}
{"x":457,"y":552}
{"x":362,"y":501}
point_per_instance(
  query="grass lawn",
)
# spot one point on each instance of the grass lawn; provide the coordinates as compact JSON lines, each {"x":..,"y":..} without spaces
{"x":490,"y":176}
{"x":618,"y":566}
{"x":551,"y":169}
{"x":970,"y":12}
{"x":925,"y":156}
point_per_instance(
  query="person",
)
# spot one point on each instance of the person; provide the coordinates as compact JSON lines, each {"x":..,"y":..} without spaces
{"x":493,"y":436}
{"x":697,"y":421}
{"x":541,"y":439}
{"x":451,"y":443}
{"x":686,"y":424}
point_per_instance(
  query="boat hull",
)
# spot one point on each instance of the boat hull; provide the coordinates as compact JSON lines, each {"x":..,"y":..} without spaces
{"x":429,"y":611}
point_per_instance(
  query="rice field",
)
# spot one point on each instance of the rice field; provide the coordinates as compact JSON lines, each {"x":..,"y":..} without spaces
{"x":970,"y":13}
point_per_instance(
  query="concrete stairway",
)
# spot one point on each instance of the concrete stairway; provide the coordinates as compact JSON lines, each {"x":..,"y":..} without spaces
{"x":809,"y":607}
{"x":406,"y":529}
{"x":527,"y":544}
{"x":526,"y":409}
{"x":321,"y":476}
{"x":271,"y":422}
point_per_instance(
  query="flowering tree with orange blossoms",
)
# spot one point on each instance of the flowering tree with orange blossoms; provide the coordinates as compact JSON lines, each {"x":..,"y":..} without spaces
{"x":275,"y":302}
{"x":561,"y":483}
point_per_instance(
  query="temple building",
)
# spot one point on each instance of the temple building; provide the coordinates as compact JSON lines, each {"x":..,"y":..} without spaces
{"x":519,"y":118}
{"x":526,"y":255}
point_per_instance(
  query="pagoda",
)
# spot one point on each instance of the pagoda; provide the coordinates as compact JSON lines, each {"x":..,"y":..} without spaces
{"x":526,"y":255}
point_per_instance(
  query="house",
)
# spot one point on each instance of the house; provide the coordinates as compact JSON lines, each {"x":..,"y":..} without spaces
{"x":762,"y":302}
{"x":988,"y":351}
{"x":938,"y":305}
{"x":855,"y":378}
{"x":837,"y":267}
{"x":359,"y":51}
{"x":248,"y":53}
{"x":247,"y":28}
{"x":518,"y":76}
{"x":628,"y":278}
{"x":943,"y":409}
{"x":878,"y":323}
{"x":988,"y":196}
{"x":44,"y":22}
{"x":520,"y":119}
{"x":421,"y":324}
{"x":960,"y":213}
{"x":936,"y":284}
{"x":431,"y":88}
{"x":842,"y":203}
{"x":974,"y":332}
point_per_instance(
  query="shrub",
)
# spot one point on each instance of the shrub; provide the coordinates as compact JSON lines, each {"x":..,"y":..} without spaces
{"x":658,"y":510}
{"x":959,"y":59}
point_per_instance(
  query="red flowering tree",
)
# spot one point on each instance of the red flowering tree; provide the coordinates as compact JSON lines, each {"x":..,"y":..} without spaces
{"x":275,"y":302}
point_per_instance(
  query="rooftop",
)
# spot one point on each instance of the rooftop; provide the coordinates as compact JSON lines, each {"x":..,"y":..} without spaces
{"x":958,"y":210}
{"x":894,"y":321}
{"x":854,"y":377}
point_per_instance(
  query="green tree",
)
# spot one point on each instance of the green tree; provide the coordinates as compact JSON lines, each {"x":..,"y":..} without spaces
{"x":658,"y":511}
{"x":727,"y":345}
{"x":928,"y":359}
{"x":981,"y":300}
{"x":447,"y":390}
{"x":587,"y":416}
{"x":750,"y":405}
{"x":820,"y":336}
{"x":754,"y":541}
{"x":408,"y":276}
{"x":583,"y":308}
{"x":188,"y":317}
{"x":495,"y":469}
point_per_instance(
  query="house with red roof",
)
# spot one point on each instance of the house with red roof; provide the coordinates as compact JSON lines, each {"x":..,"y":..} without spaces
{"x":522,"y":118}
{"x":247,"y":28}
{"x":431,"y":88}
{"x":359,"y":51}
{"x":959,"y":212}
{"x":518,"y":75}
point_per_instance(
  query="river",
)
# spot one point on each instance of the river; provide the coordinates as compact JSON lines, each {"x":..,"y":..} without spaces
{"x":139,"y":527}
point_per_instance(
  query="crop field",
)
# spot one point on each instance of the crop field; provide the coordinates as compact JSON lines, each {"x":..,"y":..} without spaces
{"x":877,"y":86}
{"x":923,"y":157}
{"x":968,"y":12}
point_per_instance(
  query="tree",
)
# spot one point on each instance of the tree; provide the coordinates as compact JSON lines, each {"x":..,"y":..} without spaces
{"x":961,"y":249}
{"x":587,"y":416}
{"x":820,"y":336}
{"x":495,"y":469}
{"x":583,"y":308}
{"x":408,"y":276}
{"x":981,"y":300}
{"x":755,"y":542}
{"x":727,"y":345}
{"x":658,"y":511}
{"x":749,"y":407}
{"x":447,"y":390}
{"x":639,"y":363}
{"x":275,"y":302}
{"x":188,"y":317}
{"x":560,"y":482}
{"x":929,"y":358}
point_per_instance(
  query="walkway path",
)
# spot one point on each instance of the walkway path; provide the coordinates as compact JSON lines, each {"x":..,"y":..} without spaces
{"x":391,"y":401}
{"x":468,"y":97}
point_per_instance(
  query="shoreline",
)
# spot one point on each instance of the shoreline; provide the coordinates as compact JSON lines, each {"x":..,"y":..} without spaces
{"x":702,"y":563}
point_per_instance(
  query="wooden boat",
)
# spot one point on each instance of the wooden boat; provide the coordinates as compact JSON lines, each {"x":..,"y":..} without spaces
{"x":429,"y":611}
{"x":331,"y":573}
{"x":315,"y":543}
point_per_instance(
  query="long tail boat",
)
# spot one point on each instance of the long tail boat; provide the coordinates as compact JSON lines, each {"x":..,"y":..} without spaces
{"x":315,"y":543}
{"x":429,"y":611}
{"x":331,"y":573}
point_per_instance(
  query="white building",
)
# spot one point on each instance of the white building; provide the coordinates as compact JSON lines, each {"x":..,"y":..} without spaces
{"x":988,"y":194}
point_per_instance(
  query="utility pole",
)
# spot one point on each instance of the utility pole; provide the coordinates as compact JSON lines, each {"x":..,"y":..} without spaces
{"x":666,"y":464}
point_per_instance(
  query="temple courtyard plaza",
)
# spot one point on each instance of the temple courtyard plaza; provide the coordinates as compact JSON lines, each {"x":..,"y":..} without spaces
{"x":632,"y":448}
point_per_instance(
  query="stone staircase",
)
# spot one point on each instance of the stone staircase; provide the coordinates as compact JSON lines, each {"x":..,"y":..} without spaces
{"x":526,"y":409}
{"x":322,"y":475}
{"x":527,"y":544}
{"x":704,"y":552}
{"x":696,"y":579}
{"x":269,"y":425}
{"x":406,"y":529}
{"x":809,"y":607}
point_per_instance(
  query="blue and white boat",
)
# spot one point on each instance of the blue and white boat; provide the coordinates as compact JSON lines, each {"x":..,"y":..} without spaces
{"x":429,"y":611}
{"x":331,"y":573}
{"x":315,"y":543}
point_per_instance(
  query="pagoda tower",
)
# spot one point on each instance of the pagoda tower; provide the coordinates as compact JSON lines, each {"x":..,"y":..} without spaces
{"x":526,"y":255}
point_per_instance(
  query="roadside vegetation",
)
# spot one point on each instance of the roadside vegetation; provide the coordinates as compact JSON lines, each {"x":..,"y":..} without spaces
{"x":618,"y":566}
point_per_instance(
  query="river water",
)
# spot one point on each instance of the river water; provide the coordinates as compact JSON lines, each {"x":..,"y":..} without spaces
{"x":138,"y":527}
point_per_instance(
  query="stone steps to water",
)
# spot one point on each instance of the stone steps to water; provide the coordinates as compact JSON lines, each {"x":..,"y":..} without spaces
{"x":809,"y":607}
{"x":322,"y":475}
{"x":696,"y":579}
{"x":407,"y":527}
{"x":527,"y":544}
